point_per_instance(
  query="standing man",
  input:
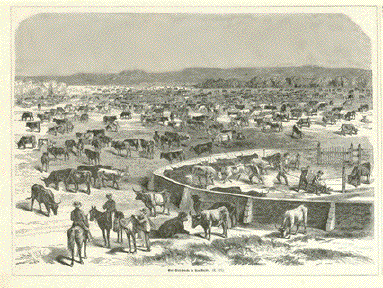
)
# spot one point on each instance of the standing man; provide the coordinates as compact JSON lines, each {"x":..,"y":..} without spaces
{"x":79,"y":219}
{"x":144,"y":221}
{"x":282,"y":168}
{"x":110,"y":207}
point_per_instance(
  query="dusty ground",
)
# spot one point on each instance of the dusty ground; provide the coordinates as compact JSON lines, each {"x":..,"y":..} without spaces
{"x":40,"y":241}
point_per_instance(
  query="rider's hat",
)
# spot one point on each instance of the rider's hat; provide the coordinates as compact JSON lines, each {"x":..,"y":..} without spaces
{"x":77,"y":204}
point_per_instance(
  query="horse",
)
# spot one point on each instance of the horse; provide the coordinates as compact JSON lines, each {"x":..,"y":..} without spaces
{"x":249,"y":170}
{"x":103,"y":223}
{"x":117,"y":226}
{"x":132,"y":226}
{"x":76,"y":235}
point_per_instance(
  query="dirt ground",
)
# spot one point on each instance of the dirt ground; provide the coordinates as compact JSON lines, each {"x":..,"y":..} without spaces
{"x":40,"y":241}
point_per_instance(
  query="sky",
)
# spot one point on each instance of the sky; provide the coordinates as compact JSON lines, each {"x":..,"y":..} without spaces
{"x":68,"y":43}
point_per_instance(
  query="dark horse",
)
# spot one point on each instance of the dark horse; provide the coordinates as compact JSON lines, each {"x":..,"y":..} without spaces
{"x":103,"y":222}
{"x":76,"y":235}
{"x":116,"y":225}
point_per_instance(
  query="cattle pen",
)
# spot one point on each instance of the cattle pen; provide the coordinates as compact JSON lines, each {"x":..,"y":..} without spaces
{"x":325,"y":213}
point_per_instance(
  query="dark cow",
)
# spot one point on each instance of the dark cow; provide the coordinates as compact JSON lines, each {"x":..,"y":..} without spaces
{"x":109,"y":119}
{"x":202,"y":148}
{"x":173,"y":226}
{"x":273,"y":160}
{"x":44,"y":117}
{"x":120,"y":146}
{"x":132,"y":143}
{"x":96,"y":132}
{"x":172,"y":155}
{"x":24,"y":140}
{"x":60,"y":121}
{"x":77,"y":177}
{"x":247,"y":158}
{"x":44,"y":161}
{"x":208,"y":218}
{"x":232,"y":211}
{"x":93,"y":156}
{"x":84,"y":118}
{"x":56,"y":151}
{"x":27,"y":116}
{"x":125,"y":115}
{"x":152,"y":199}
{"x":358,"y":172}
{"x":57,"y":176}
{"x":70,"y":144}
{"x":44,"y":196}
{"x":93,"y":169}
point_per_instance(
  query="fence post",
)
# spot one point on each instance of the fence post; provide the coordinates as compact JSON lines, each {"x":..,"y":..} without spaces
{"x":351,"y":153}
{"x":359,"y":154}
{"x":248,"y":214}
{"x":330,"y":224}
{"x":318,"y":153}
{"x":343,"y":178}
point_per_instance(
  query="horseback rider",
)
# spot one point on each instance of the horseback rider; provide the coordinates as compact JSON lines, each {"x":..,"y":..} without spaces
{"x":78,"y":217}
{"x":282,"y":168}
{"x":110,"y":207}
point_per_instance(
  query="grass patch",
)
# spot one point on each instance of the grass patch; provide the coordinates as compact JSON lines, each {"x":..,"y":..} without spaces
{"x":313,"y":254}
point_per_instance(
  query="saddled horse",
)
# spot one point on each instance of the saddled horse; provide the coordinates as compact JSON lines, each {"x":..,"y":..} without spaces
{"x":77,"y":236}
{"x":117,"y":226}
{"x":104,"y":222}
{"x":132,"y":226}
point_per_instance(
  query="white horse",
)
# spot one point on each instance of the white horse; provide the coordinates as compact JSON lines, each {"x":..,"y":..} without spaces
{"x":239,"y":170}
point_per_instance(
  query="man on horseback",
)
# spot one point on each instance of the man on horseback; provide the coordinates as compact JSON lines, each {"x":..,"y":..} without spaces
{"x":79,"y":219}
{"x":110,"y":207}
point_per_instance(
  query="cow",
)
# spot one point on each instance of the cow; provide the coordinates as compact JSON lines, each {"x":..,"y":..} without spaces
{"x":60,"y":121}
{"x":273,"y":160}
{"x":232,"y":211}
{"x":44,"y":159}
{"x":44,"y":117}
{"x":44,"y":196}
{"x":350,"y":115}
{"x":241,"y":169}
{"x":56,"y":151}
{"x":172,"y":155}
{"x":358,"y":172}
{"x":146,"y":145}
{"x":337,"y":109}
{"x":348,"y":129}
{"x":84,"y":118}
{"x":33,"y":126}
{"x":105,"y":140}
{"x":93,"y":169}
{"x":112,"y":175}
{"x":24,"y":140}
{"x":151,"y":199}
{"x":247,"y":158}
{"x":70,"y":144}
{"x":96,"y":132}
{"x":272,"y":126}
{"x":92,"y":156}
{"x":303,"y":122}
{"x":363,"y":108}
{"x":298,"y":217}
{"x":109,"y":119}
{"x":53,"y":130}
{"x":205,"y":172}
{"x":125,"y":115}
{"x":57,"y":176}
{"x":77,"y":177}
{"x":132,"y":143}
{"x":208,"y":218}
{"x":202,"y":148}
{"x":173,"y":226}
{"x":174,"y":138}
{"x":120,"y":146}
{"x":27,"y":116}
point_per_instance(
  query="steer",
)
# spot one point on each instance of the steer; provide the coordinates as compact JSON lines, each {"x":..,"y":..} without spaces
{"x":119,"y":146}
{"x":125,"y":115}
{"x":232,"y":211}
{"x":45,"y":196}
{"x":92,"y":156}
{"x":93,"y":169}
{"x":173,"y":226}
{"x":208,"y":218}
{"x":109,"y":119}
{"x":33,"y":126}
{"x":152,"y":199}
{"x":113,"y":175}
{"x":44,"y":161}
{"x":298,"y":217}
{"x":56,"y":151}
{"x":132,"y":143}
{"x":55,"y":177}
{"x":96,"y":132}
{"x":77,"y":177}
{"x":202,"y":148}
{"x":172,"y":155}
{"x":24,"y":140}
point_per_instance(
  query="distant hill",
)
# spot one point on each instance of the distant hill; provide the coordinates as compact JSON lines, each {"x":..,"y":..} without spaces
{"x":302,"y":76}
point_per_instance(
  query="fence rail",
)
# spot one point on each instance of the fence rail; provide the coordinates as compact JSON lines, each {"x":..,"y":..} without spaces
{"x":342,"y":155}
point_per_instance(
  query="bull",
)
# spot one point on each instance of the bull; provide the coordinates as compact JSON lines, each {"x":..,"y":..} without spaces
{"x":33,"y":126}
{"x":152,"y":199}
{"x":43,"y":196}
{"x":57,"y":176}
{"x":209,"y":218}
{"x":112,"y":175}
{"x":77,"y":177}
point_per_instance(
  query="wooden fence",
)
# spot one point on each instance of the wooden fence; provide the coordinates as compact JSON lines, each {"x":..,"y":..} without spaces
{"x":342,"y":155}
